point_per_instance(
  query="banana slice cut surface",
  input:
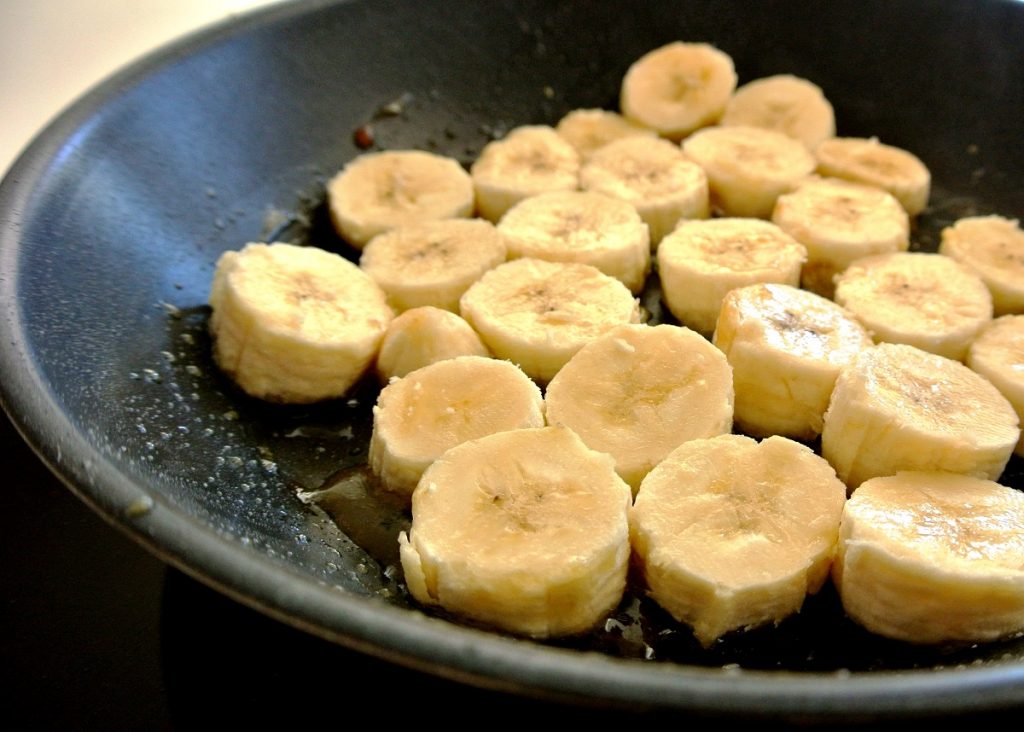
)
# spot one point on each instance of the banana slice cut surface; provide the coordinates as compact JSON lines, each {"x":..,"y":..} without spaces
{"x":434,"y":408}
{"x":655,"y":177}
{"x":678,"y":88}
{"x":785,"y":103}
{"x":993,"y":247}
{"x":998,"y":355}
{"x":730,"y":533}
{"x":748,"y":168}
{"x":924,"y":300}
{"x":432,"y":263}
{"x":896,"y":407}
{"x":701,"y":261}
{"x":868,"y":161}
{"x":422,"y":336}
{"x":294,"y":324}
{"x":380,"y":191}
{"x":840,"y":222}
{"x":639,"y":391}
{"x":588,"y":130}
{"x":576,"y":226}
{"x":538,"y":314}
{"x":786,"y":347}
{"x":525,"y":530}
{"x":933,"y":557}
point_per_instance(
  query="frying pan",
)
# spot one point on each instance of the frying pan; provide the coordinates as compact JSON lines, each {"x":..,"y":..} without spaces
{"x":113,"y":218}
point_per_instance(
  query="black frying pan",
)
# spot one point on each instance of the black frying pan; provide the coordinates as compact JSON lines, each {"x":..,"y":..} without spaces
{"x":113,"y":218}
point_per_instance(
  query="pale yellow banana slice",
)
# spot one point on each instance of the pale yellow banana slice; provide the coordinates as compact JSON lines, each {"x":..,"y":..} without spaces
{"x":993,"y":247}
{"x":434,"y":262}
{"x":896,"y":407}
{"x":731,"y":534}
{"x":418,"y":417}
{"x":785,"y":103}
{"x":538,"y":314}
{"x":998,"y":355}
{"x":924,"y":300}
{"x":527,"y":161}
{"x":678,"y":88}
{"x":933,"y":558}
{"x":748,"y":168}
{"x":588,"y":130}
{"x":786,"y":347}
{"x":870,"y":162}
{"x":524,"y":530}
{"x":638,"y":392}
{"x":655,"y":177}
{"x":422,"y":336}
{"x":576,"y":226}
{"x":380,"y":191}
{"x":701,"y":261}
{"x":294,"y":324}
{"x":840,"y":222}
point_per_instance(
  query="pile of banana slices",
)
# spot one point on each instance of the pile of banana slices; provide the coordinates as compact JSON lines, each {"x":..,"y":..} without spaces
{"x":549,"y":438}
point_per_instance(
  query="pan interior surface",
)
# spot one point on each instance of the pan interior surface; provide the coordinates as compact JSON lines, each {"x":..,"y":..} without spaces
{"x":113,"y":220}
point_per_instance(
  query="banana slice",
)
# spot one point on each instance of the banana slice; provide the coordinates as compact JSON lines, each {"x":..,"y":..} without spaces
{"x":537,"y":314}
{"x":638,"y":392}
{"x":574,"y":226}
{"x":730,"y":533}
{"x":840,"y":222}
{"x":896,"y":407}
{"x":994,"y":248}
{"x":419,"y":417}
{"x":523,"y":530}
{"x":654,"y":176}
{"x":788,"y":104}
{"x":924,"y":300}
{"x":701,"y":261}
{"x":868,"y":161}
{"x":380,"y":191}
{"x":786,"y":347}
{"x":294,"y":324}
{"x":422,"y":336}
{"x":933,"y":558}
{"x":748,"y":168}
{"x":434,"y":262}
{"x":588,"y":130}
{"x":527,"y":161}
{"x":998,"y":355}
{"x":678,"y":88}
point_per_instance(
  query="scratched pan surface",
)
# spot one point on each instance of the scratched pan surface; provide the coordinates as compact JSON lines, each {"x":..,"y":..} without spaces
{"x":114,"y":217}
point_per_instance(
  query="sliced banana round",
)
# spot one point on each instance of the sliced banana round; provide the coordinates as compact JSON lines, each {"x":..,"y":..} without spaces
{"x":868,"y":161}
{"x":576,"y":226}
{"x":294,"y":324}
{"x":654,"y":176}
{"x":998,"y":355}
{"x":840,"y":222}
{"x":785,"y":103}
{"x":896,"y":407}
{"x":527,"y":161}
{"x":933,"y":558}
{"x":701,"y":261}
{"x":638,"y":392}
{"x":380,"y":191}
{"x":748,"y":168}
{"x":731,"y":534}
{"x":993,"y":247}
{"x":588,"y":130}
{"x":526,"y":531}
{"x":434,"y":262}
{"x":678,"y":88}
{"x":786,"y":347}
{"x":418,"y":417}
{"x":924,"y":300}
{"x":538,"y":314}
{"x":422,"y":336}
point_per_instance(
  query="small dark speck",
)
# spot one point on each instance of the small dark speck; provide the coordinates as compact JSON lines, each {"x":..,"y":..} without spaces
{"x":363,"y":137}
